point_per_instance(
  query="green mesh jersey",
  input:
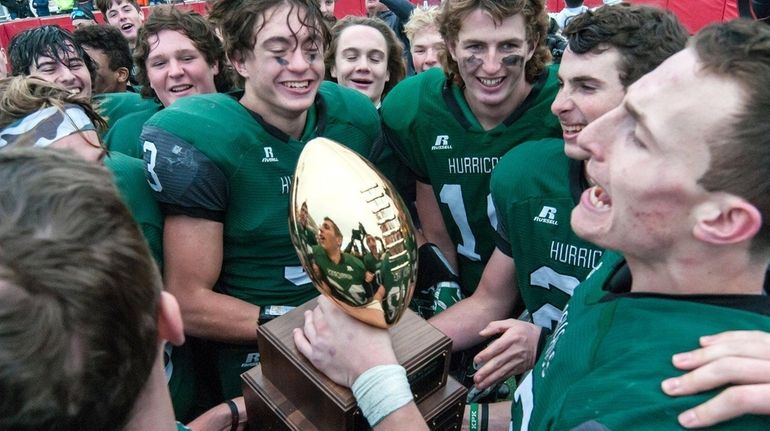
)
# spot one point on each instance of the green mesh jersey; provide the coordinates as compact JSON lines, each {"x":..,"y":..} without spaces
{"x":209,"y":157}
{"x":345,"y":278}
{"x":114,"y":106}
{"x":123,"y":136}
{"x":128,"y":174}
{"x":534,"y":188}
{"x":611,"y":349}
{"x":430,"y":124}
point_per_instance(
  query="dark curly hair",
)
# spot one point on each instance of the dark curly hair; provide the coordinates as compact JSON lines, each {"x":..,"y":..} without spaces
{"x":237,"y":20}
{"x":109,"y":40}
{"x":190,"y":24}
{"x":643,"y":35}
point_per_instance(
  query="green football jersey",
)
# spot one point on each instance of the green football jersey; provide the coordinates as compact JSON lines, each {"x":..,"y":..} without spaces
{"x":372,"y":263}
{"x":123,"y":136}
{"x":128,"y":174}
{"x":445,"y":146}
{"x":603,"y":366}
{"x":534,"y":188}
{"x":114,"y":106}
{"x":346,"y":278}
{"x":209,"y":157}
{"x":181,"y":378}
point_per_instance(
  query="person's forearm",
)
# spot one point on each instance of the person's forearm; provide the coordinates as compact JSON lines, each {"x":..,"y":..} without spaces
{"x":215,"y":316}
{"x":463,"y":321}
{"x":401,"y":8}
{"x":220,"y":417}
{"x":407,"y":418}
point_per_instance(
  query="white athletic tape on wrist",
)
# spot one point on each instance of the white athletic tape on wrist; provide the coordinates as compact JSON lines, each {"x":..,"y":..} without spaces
{"x":380,"y":391}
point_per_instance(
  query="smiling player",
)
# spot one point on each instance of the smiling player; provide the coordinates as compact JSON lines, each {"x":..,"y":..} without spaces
{"x":222,"y":167}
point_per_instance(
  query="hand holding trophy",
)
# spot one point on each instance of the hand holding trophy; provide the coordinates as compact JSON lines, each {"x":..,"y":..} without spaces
{"x":356,"y":241}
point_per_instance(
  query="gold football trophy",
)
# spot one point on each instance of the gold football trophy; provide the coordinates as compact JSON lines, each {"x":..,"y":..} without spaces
{"x":356,"y":241}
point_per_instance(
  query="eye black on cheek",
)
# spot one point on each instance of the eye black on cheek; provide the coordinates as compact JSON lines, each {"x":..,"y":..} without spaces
{"x":471,"y":62}
{"x":513,"y":60}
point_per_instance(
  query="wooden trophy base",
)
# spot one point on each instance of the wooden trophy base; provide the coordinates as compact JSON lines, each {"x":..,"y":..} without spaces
{"x":269,"y":410}
{"x":286,"y":389}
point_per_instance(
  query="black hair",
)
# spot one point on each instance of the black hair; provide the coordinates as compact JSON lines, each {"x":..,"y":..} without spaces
{"x":48,"y":40}
{"x":109,"y":40}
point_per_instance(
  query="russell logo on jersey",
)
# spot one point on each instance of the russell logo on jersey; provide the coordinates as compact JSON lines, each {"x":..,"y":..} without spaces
{"x":442,"y":143}
{"x":547,"y":215}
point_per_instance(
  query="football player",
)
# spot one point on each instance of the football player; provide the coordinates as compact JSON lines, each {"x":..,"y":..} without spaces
{"x":495,"y":95}
{"x":222,"y":167}
{"x":536,"y":185}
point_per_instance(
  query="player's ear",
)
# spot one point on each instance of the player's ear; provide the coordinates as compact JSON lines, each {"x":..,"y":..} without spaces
{"x":122,"y":74}
{"x":170,"y":327}
{"x":726,"y":219}
{"x":451,"y":48}
{"x":237,"y":61}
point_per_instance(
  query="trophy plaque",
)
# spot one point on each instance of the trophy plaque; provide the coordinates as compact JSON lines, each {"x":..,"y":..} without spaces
{"x":355,"y":240}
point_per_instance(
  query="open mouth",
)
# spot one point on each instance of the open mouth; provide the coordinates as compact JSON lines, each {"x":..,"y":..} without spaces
{"x":599,"y":198}
{"x":490,"y":82}
{"x":126,"y":27}
{"x":572,"y":128}
{"x":180,"y":88}
{"x":296,"y":84}
{"x":361,"y":81}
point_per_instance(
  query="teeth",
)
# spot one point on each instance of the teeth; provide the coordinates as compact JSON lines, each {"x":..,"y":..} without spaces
{"x":296,"y":84}
{"x":572,"y":129}
{"x":179,"y":88}
{"x":594,"y":196}
{"x":490,"y":82}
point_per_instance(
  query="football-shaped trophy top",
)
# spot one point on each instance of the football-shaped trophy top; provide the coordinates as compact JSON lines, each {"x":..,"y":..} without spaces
{"x":353,"y":233}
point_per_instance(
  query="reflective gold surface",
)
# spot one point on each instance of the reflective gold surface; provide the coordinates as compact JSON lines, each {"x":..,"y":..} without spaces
{"x":353,"y":233}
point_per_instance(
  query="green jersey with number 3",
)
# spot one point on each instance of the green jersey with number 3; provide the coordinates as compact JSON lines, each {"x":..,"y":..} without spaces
{"x":611,"y":349}
{"x":444,"y":144}
{"x":534,"y":189}
{"x":209,"y":157}
{"x":123,"y":136}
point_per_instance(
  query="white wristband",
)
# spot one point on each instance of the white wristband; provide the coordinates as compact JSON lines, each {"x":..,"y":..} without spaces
{"x":380,"y":391}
